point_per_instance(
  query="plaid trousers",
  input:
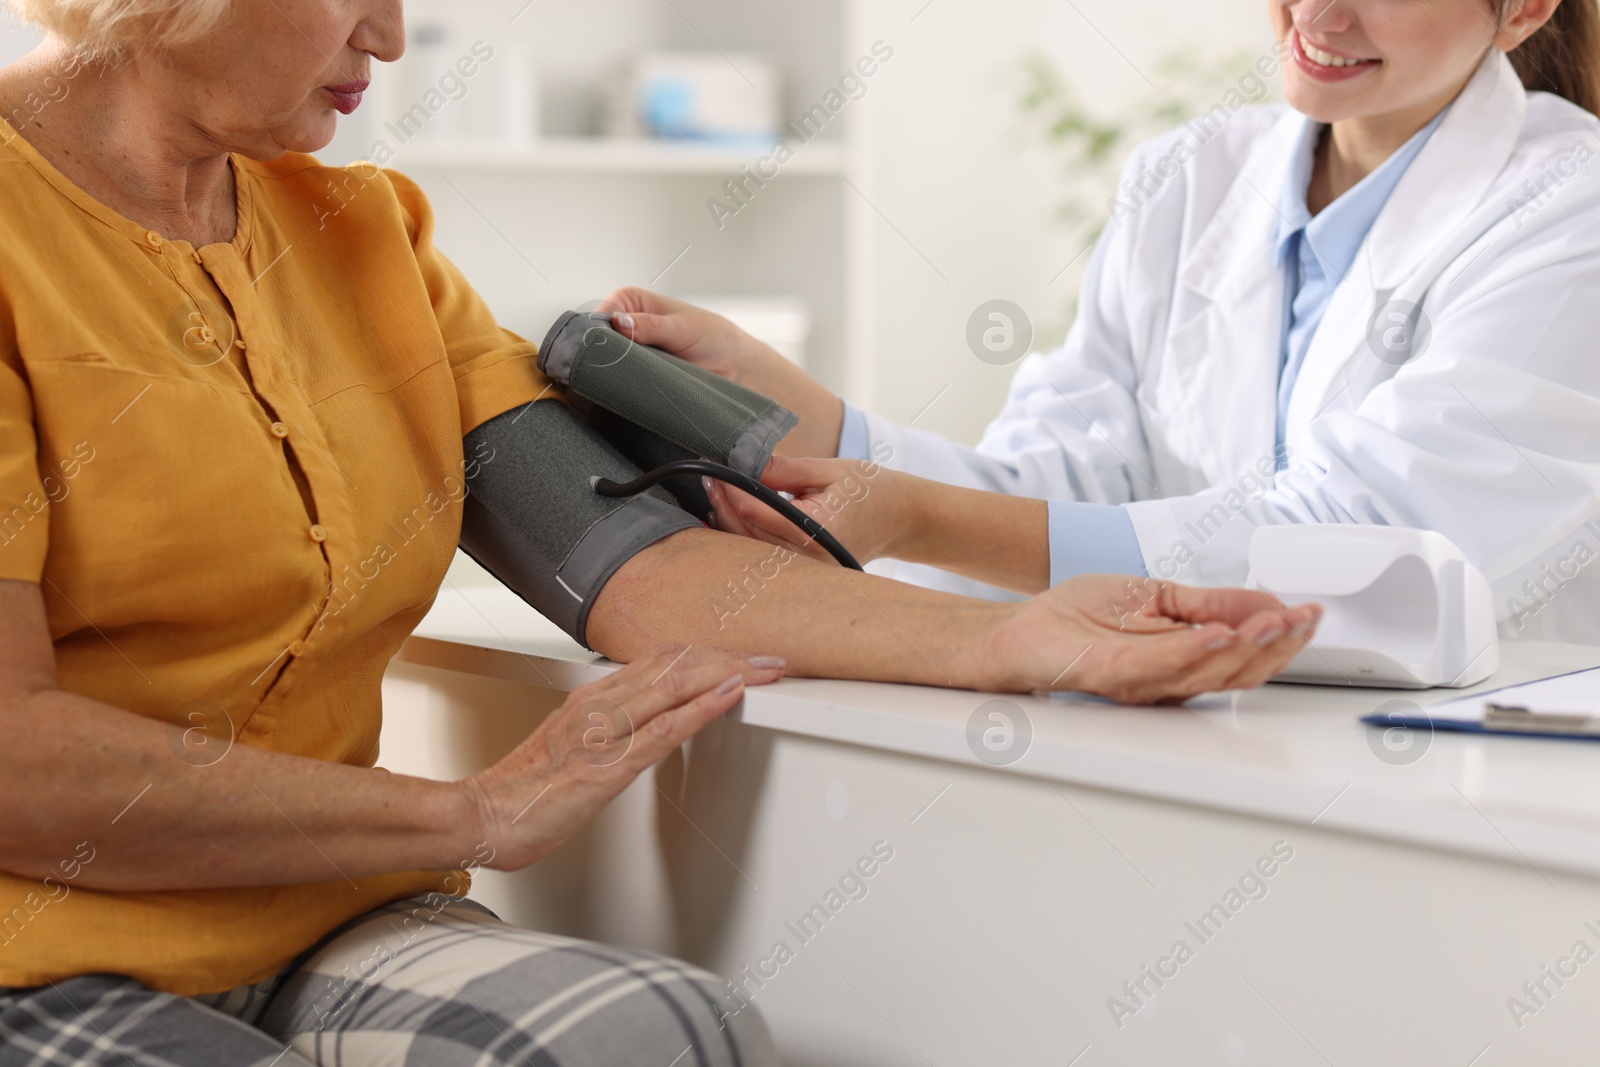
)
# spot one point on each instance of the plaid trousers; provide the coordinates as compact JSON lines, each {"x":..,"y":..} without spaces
{"x":421,"y":982}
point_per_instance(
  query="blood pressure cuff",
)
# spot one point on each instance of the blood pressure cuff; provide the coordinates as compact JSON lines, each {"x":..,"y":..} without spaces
{"x":532,"y":518}
{"x":702,"y":414}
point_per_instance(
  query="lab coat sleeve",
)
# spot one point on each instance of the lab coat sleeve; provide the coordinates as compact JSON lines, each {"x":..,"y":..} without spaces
{"x":1491,"y":437}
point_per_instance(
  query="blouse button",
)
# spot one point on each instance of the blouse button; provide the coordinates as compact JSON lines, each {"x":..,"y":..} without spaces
{"x":318,"y":534}
{"x":280,"y":430}
{"x":153,"y":239}
{"x":198,"y":259}
{"x":239,"y":344}
{"x":297,"y":649}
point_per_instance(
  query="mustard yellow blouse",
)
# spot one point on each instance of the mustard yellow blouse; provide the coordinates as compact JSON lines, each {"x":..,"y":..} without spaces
{"x":236,"y":473}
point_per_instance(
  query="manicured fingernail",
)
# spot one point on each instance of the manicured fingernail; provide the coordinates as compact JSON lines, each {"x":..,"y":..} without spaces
{"x":705,"y":483}
{"x":730,"y":685}
{"x":623,"y":319}
{"x":1221,"y":641}
{"x":1270,"y":635}
{"x":767,"y":663}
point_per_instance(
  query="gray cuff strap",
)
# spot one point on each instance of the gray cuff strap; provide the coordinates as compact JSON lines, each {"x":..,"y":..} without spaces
{"x":561,"y":347}
{"x":565,"y":593}
{"x":698,"y":411}
{"x":534,"y":521}
{"x":754,"y":448}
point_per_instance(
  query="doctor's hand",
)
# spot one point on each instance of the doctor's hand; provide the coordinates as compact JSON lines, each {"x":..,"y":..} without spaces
{"x":877,"y":513}
{"x":858,"y":502}
{"x":714,"y":344}
{"x":1145,"y":641}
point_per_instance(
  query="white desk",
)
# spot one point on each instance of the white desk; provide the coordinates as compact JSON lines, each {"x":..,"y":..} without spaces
{"x":1424,"y":887}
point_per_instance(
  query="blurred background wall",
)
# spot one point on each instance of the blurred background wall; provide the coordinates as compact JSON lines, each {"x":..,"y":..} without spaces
{"x":932,"y":193}
{"x":951,"y":160}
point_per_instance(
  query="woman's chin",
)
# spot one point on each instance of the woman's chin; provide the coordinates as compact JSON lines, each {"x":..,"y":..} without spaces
{"x":310,"y":134}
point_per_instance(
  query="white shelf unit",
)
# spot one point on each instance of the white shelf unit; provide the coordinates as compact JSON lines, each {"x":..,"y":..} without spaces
{"x":562,"y":220}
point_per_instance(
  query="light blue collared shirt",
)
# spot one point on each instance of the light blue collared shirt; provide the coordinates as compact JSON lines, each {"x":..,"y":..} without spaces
{"x":1315,"y":253}
{"x":853,"y":443}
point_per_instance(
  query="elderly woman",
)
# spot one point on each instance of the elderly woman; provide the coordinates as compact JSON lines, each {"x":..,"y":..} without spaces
{"x":215,"y":400}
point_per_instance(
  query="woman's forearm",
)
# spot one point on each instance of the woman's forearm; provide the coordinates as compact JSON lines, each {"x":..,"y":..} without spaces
{"x":992,"y":538}
{"x":160,"y":815}
{"x":1156,"y":642}
{"x":705,"y":587}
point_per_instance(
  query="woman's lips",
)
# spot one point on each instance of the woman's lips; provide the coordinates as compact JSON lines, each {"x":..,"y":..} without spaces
{"x":1327,"y":71}
{"x":347,"y":97}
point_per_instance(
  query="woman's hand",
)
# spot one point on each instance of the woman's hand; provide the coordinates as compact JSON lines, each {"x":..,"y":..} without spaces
{"x":714,"y":344}
{"x":600,"y":740}
{"x":861,"y":504}
{"x":1145,"y":641}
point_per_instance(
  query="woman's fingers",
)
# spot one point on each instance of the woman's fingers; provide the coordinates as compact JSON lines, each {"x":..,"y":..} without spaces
{"x":665,"y":680}
{"x":1276,"y":654}
{"x":1262,"y":647}
{"x":1200,"y":605}
{"x":1142,"y":641}
{"x":601,"y":738}
{"x":1134,"y":667}
{"x":1268,"y":625}
{"x":602,"y":726}
{"x":662,"y":674}
{"x":1131,"y":668}
{"x":676,"y":725}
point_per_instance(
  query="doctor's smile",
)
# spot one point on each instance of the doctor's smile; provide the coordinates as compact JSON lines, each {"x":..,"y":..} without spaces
{"x":1328,"y":64}
{"x":399,"y":558}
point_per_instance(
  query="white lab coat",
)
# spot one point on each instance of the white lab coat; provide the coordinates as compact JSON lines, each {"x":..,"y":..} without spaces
{"x":1163,"y":396}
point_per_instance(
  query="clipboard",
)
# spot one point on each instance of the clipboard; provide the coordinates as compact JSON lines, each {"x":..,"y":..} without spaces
{"x":1565,"y":706}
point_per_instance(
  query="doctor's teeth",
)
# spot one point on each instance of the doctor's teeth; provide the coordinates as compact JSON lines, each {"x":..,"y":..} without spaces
{"x":1326,"y":59}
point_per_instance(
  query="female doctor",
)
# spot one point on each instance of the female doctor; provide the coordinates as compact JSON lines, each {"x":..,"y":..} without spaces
{"x":1378,"y":304}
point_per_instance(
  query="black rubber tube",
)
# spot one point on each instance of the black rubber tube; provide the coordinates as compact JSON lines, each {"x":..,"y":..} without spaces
{"x":769,"y":497}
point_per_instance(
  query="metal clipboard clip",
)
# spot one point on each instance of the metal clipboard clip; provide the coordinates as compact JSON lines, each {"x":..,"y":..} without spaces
{"x":1526,"y":720}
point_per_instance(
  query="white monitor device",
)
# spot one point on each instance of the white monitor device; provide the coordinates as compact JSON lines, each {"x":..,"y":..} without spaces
{"x":1404,"y":608}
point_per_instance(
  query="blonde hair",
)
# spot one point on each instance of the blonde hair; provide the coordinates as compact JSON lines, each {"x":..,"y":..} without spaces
{"x":109,"y":29}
